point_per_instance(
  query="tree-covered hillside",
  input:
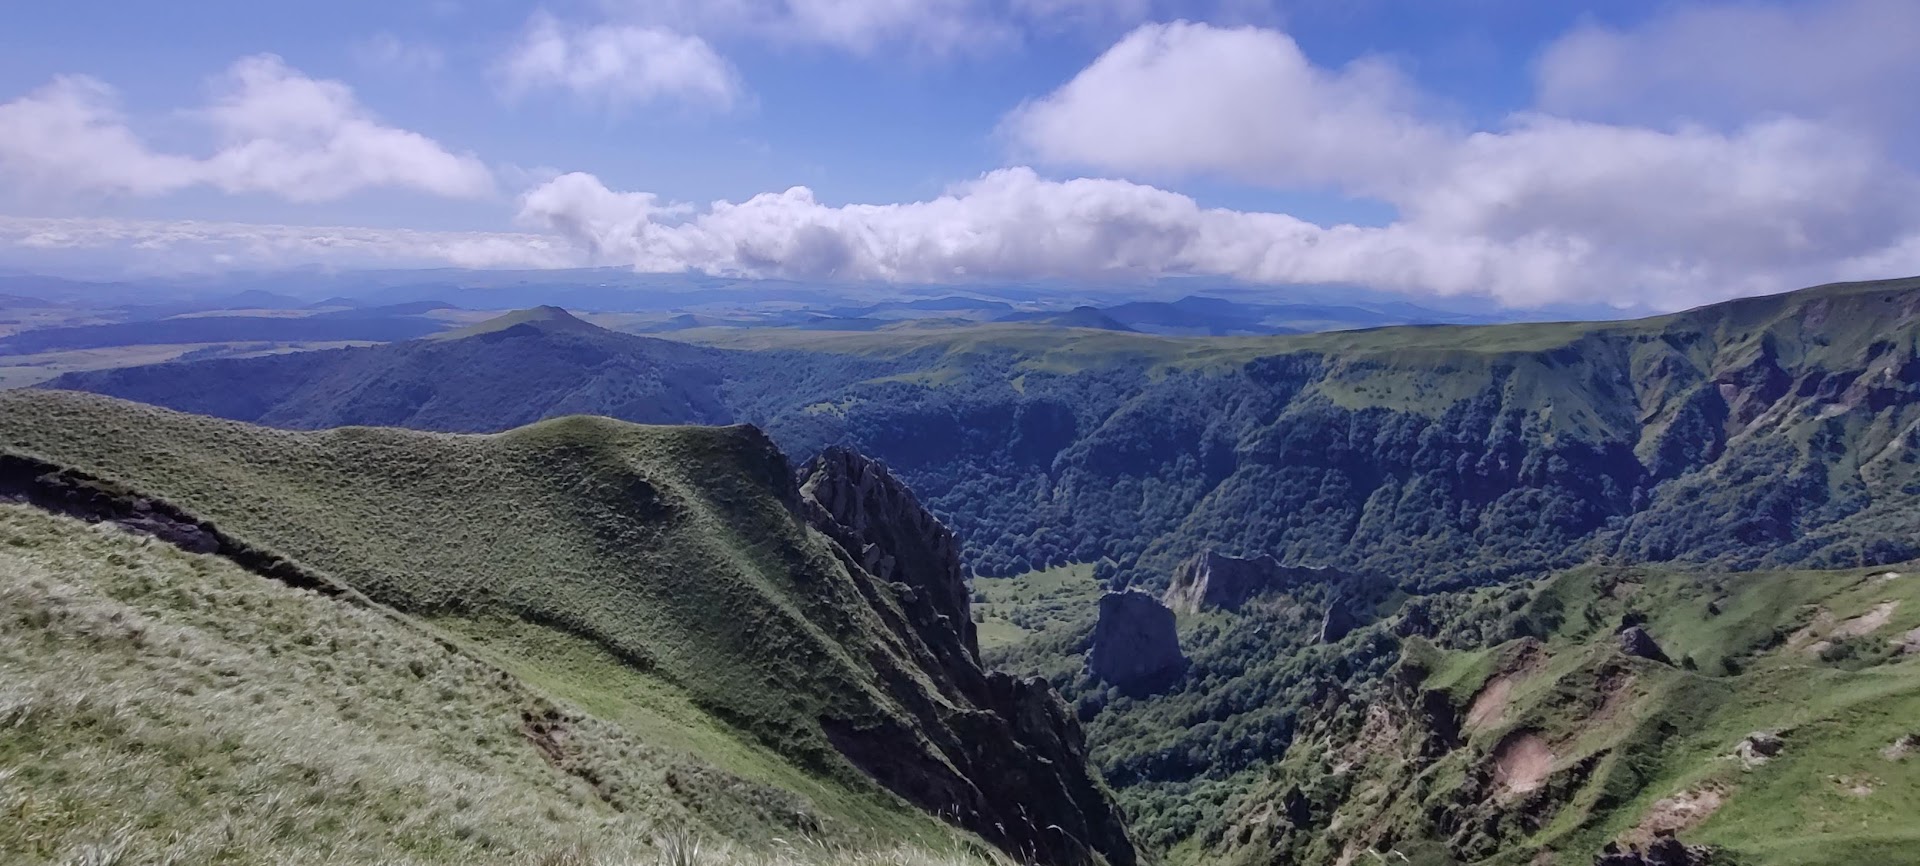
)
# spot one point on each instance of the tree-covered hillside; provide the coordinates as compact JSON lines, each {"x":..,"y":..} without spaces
{"x":1740,"y":434}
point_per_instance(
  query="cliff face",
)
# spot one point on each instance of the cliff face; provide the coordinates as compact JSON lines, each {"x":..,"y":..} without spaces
{"x":876,"y":519}
{"x":1214,"y":581}
{"x":1135,"y":645}
{"x":1001,"y":754}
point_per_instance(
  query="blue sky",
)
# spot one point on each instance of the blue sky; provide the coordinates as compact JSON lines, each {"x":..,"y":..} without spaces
{"x":1655,"y":153}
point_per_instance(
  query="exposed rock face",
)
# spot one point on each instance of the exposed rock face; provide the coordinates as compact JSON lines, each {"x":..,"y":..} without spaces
{"x":1212,"y":580}
{"x":1007,"y":759}
{"x":1758,"y":748}
{"x":79,"y":495}
{"x":1635,"y":641}
{"x":1135,"y":645}
{"x":1339,"y":621}
{"x":1663,"y":851}
{"x":873,"y":515}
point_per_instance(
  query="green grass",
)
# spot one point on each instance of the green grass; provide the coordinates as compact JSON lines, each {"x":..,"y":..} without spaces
{"x":166,"y":707}
{"x":663,"y":552}
{"x":1657,"y":731}
{"x":1013,"y":608}
{"x":1646,"y":731}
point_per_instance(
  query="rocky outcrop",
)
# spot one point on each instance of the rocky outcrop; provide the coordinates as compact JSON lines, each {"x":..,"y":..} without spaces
{"x":1662,"y":851}
{"x":1338,"y":622}
{"x":1135,"y":645}
{"x":63,"y":490}
{"x":1635,"y":641}
{"x":1758,"y":748}
{"x":1215,"y":581}
{"x":857,"y":502}
{"x":1001,"y":756}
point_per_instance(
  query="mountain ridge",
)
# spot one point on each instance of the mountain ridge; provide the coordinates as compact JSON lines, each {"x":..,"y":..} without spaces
{"x":1542,"y":444}
{"x":680,"y":550}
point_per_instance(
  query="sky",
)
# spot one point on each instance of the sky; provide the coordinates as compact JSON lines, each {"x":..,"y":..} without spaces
{"x":1626,"y":152}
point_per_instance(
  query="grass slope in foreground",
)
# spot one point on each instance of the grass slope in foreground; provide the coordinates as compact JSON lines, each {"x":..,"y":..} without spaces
{"x":661,"y":577}
{"x":170,"y":707}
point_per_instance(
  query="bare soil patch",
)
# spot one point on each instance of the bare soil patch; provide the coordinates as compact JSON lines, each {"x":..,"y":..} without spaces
{"x":1869,"y":622}
{"x":1822,"y":621}
{"x":1674,"y":815}
{"x":1490,"y":706}
{"x":1522,"y":763}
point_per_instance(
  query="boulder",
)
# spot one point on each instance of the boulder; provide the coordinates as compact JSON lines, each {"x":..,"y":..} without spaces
{"x":1758,"y":748}
{"x":1135,"y":645}
{"x":1635,"y":641}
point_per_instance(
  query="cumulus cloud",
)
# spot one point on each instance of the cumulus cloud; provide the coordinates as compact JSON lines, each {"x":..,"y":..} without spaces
{"x":70,"y":135}
{"x":277,"y":132}
{"x":1241,"y":102}
{"x":187,"y":245}
{"x":1846,"y":60}
{"x":619,"y":64}
{"x":1576,"y":205}
{"x":1014,"y":224}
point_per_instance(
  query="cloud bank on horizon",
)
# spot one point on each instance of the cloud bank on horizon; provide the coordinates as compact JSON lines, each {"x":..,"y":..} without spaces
{"x":1699,"y":152}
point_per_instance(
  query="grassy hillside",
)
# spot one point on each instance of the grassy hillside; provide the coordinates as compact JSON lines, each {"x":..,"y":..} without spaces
{"x":660,"y":576}
{"x":163,"y":706}
{"x":1633,"y":746}
{"x":1507,"y":726}
{"x":1767,"y":432}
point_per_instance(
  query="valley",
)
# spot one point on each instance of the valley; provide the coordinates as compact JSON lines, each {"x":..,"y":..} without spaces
{"x":1448,"y":595}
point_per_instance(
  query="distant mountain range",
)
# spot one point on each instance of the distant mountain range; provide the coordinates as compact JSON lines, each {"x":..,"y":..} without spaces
{"x":1539,"y":443}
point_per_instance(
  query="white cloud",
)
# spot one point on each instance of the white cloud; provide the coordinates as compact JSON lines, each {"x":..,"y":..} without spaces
{"x":185,"y":245}
{"x":1776,"y":192}
{"x":70,"y":136}
{"x":1577,"y":206}
{"x":619,"y":64}
{"x":1851,"y":61}
{"x":1013,"y":224}
{"x":1010,"y":224}
{"x":278,"y":132}
{"x":1243,"y":102}
{"x":310,"y":140}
